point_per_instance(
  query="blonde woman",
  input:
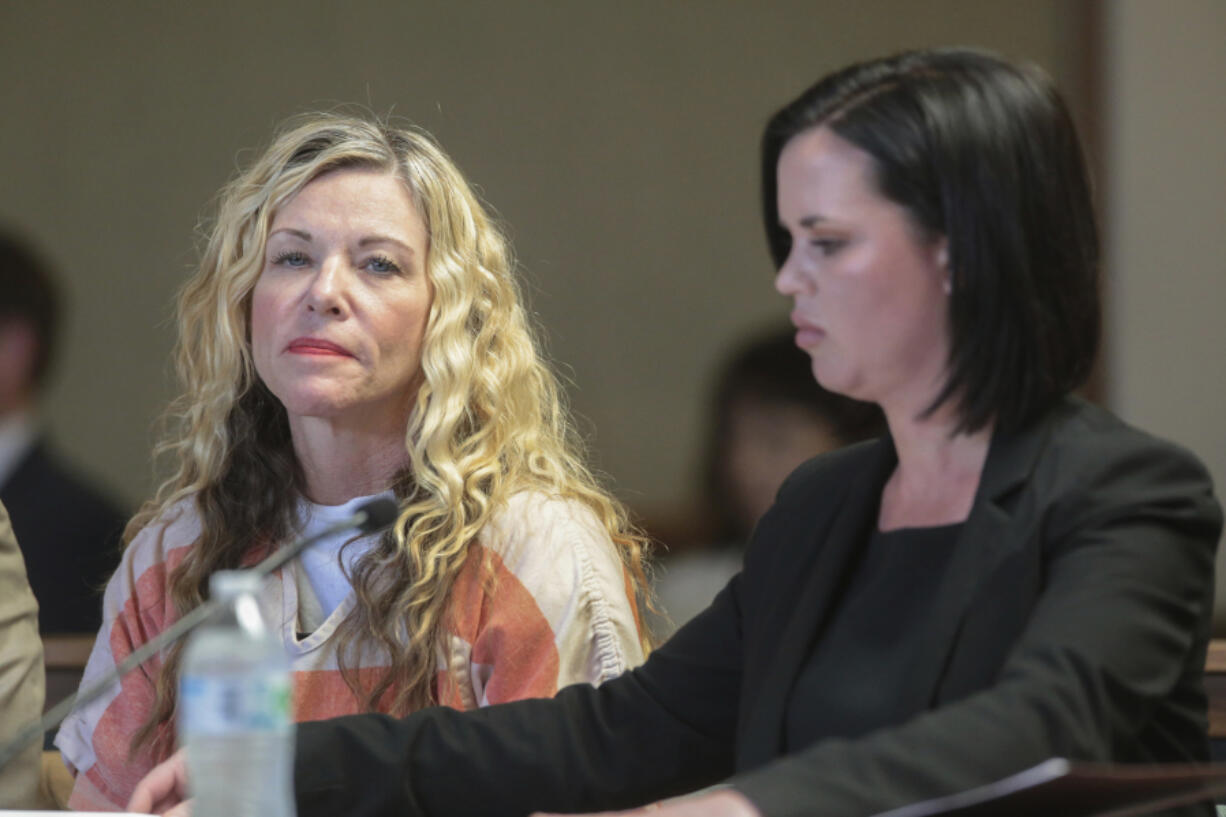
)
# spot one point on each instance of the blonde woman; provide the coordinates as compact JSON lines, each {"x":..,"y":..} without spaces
{"x":355,"y":330}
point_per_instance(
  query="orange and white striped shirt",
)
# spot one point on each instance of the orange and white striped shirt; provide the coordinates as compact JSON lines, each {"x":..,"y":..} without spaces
{"x":556,"y":611}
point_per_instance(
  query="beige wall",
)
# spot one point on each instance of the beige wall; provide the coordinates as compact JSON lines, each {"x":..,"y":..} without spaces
{"x":1167,"y":227}
{"x":617,"y":139}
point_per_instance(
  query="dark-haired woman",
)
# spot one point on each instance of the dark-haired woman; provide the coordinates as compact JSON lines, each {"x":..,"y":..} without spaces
{"x":1012,"y":574}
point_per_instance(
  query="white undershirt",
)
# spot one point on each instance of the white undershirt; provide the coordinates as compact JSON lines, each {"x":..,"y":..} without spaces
{"x":319,"y":562}
{"x":18,"y":431}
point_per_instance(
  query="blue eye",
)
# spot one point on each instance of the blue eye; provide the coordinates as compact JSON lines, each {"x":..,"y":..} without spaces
{"x":382,"y":264}
{"x":291,"y":258}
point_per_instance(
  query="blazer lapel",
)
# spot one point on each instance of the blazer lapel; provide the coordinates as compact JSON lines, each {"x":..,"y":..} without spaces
{"x":987,"y":537}
{"x":837,"y":547}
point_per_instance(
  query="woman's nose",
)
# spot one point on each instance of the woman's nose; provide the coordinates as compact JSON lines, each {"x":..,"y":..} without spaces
{"x":326,"y":294}
{"x":789,"y":280}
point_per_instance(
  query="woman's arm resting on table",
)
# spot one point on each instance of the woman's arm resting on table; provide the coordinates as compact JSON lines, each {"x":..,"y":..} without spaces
{"x":655,"y":732}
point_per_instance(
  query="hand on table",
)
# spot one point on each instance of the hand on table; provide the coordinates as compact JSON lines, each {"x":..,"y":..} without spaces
{"x":164,"y":789}
{"x":725,"y":803}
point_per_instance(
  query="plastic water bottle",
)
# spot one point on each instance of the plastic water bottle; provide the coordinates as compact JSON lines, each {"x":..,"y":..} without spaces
{"x":234,"y":708}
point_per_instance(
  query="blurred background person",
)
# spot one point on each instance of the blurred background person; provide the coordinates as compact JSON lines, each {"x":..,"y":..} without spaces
{"x":355,"y":330}
{"x":68,"y":528}
{"x":768,"y":415}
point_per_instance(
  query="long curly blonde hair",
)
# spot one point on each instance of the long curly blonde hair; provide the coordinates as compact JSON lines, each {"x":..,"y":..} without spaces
{"x":488,"y":421}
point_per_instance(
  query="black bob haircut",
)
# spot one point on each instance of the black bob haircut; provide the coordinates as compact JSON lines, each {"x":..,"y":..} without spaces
{"x":984,"y":153}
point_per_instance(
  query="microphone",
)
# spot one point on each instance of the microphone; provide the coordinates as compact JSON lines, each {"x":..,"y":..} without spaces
{"x":370,"y":517}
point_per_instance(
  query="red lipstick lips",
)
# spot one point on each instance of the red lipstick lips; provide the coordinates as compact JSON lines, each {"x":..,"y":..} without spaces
{"x":316,"y":346}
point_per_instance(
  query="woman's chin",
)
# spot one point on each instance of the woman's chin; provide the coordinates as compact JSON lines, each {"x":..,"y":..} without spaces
{"x":832,"y":378}
{"x":319,"y":408}
{"x":371,"y":418}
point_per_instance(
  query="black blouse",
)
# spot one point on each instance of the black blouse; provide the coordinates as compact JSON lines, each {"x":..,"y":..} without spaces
{"x":861,"y":658}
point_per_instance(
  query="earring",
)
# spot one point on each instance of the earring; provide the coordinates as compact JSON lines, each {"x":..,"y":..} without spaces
{"x":947,"y":285}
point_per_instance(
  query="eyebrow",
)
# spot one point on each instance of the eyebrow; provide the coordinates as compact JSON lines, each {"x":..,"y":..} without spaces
{"x":366,"y":241}
{"x":808,"y":222}
{"x":303,"y":234}
{"x":363,"y":242}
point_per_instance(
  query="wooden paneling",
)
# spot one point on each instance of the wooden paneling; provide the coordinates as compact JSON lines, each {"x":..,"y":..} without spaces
{"x":1215,"y":687}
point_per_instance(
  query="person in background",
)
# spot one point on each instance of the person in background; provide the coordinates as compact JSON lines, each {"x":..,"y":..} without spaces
{"x":69,"y":529}
{"x":355,"y":330}
{"x":1011,"y":574}
{"x":768,"y":416}
{"x":21,"y":675}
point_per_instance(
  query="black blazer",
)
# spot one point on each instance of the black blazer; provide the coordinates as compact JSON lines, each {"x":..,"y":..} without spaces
{"x":1072,"y":621}
{"x":69,"y":533}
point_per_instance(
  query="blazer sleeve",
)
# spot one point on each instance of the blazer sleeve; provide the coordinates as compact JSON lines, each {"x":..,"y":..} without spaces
{"x":662,"y":729}
{"x":1129,"y":553}
{"x":21,"y":673}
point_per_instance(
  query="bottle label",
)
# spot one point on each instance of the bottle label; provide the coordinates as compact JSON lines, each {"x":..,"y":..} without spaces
{"x":219,"y":705}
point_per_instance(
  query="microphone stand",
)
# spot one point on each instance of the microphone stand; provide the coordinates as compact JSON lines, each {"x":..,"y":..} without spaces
{"x":374,"y":515}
